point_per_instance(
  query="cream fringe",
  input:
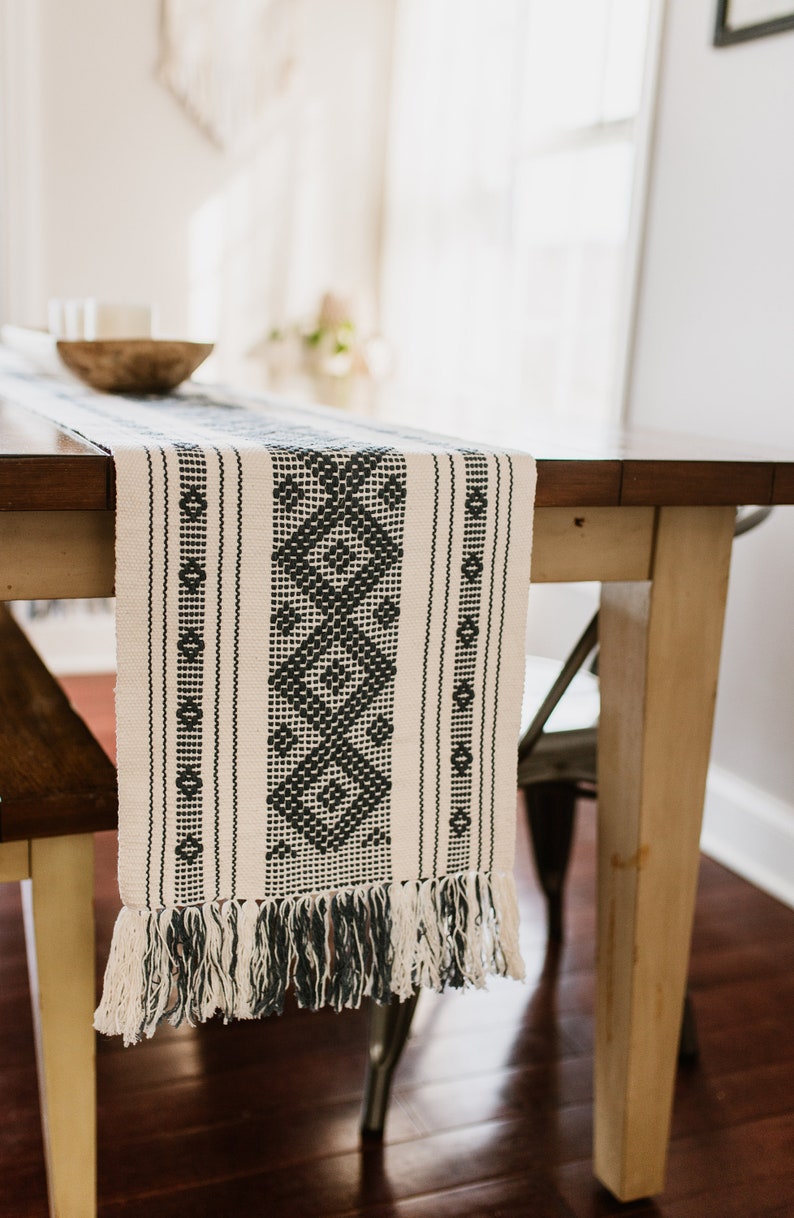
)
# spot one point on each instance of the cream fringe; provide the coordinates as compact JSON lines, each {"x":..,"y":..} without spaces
{"x":237,"y":958}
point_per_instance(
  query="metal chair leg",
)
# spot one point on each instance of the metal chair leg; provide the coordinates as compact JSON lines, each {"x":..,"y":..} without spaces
{"x":389,"y":1026}
{"x":688,"y":1046}
{"x":551,"y":809}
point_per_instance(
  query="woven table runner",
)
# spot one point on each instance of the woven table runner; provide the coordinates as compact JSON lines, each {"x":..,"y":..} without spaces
{"x":320,"y":646}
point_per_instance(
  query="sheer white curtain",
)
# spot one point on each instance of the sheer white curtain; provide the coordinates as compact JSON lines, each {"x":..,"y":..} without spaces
{"x":508,"y":198}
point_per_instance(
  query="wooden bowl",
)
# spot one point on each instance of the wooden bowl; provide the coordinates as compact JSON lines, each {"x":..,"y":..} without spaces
{"x":132,"y":365}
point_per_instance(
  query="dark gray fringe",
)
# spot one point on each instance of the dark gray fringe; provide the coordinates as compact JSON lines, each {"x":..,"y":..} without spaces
{"x":237,"y":959}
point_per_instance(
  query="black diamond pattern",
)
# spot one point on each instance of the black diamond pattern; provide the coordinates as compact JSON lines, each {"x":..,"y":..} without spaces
{"x":380,"y":730}
{"x":189,"y":781}
{"x":386,"y":612}
{"x":189,"y":713}
{"x":302,"y":555}
{"x":297,"y":799}
{"x":472,"y":567}
{"x":463,"y":695}
{"x":460,"y":822}
{"x":188,"y":849}
{"x":476,"y":503}
{"x":289,"y":493}
{"x":282,"y":739}
{"x":332,"y":795}
{"x":468,"y":631}
{"x":295,"y":679}
{"x":341,"y":663}
{"x":191,"y":644}
{"x":461,"y":757}
{"x":189,"y":687}
{"x":339,"y":556}
{"x":193,"y":503}
{"x":393,"y":491}
{"x":281,"y":851}
{"x":192,"y":575}
{"x":335,"y":677}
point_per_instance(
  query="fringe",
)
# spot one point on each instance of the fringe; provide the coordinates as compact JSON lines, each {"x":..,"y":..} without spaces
{"x":238,"y":958}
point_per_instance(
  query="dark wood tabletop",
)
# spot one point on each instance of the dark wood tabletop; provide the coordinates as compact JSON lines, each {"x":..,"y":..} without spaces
{"x":44,"y":468}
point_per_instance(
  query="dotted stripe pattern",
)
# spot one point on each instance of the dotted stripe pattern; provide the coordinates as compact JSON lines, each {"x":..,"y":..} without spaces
{"x":468,"y":639}
{"x":192,"y":575}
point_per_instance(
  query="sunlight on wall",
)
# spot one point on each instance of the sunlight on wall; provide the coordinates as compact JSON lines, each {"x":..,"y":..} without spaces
{"x":238,"y":261}
{"x":298,"y":214}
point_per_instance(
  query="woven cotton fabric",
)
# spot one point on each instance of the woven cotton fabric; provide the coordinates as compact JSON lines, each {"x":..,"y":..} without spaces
{"x":320,"y":638}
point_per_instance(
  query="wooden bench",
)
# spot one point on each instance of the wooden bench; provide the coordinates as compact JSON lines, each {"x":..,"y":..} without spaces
{"x":57,"y":787}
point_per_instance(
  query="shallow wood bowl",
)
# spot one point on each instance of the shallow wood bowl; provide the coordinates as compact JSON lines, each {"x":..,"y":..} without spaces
{"x":132,"y":365}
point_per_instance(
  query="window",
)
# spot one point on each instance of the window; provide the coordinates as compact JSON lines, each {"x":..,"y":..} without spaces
{"x":512,"y":169}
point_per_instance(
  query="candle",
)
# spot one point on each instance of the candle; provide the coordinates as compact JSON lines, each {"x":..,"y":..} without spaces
{"x":105,"y":320}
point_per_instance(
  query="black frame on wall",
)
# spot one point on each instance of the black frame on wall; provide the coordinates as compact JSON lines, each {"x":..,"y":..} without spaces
{"x":726,"y":34}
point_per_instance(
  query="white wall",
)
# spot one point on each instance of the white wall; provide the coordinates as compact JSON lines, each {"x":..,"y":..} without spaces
{"x":126,"y":199}
{"x":108,"y":188}
{"x":714,"y":354}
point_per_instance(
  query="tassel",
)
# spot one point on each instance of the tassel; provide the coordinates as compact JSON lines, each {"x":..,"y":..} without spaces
{"x":238,"y":958}
{"x":380,"y":918}
{"x":137,"y":982}
{"x":308,"y":928}
{"x":272,"y":950}
{"x":244,"y":921}
{"x":505,"y":904}
{"x":402,"y":902}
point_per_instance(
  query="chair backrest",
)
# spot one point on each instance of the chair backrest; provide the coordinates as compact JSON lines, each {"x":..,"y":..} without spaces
{"x":55,"y":779}
{"x":586,"y":648}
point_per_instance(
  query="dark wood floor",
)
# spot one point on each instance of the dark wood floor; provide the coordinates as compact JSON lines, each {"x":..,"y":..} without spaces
{"x":492,"y":1109}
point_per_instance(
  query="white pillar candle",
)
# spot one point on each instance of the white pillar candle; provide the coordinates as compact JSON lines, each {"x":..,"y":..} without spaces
{"x":104,"y":320}
{"x":73,"y":319}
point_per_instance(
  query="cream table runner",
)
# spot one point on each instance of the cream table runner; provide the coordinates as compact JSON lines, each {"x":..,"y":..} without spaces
{"x":320,"y":644}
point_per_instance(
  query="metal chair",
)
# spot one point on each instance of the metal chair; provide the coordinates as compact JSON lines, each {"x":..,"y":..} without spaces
{"x":556,"y":769}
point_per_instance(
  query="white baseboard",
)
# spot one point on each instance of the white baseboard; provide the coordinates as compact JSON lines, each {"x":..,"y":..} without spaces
{"x":751,"y":832}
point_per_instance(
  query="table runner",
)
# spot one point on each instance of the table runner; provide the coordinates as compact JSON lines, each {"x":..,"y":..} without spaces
{"x":320,"y":648}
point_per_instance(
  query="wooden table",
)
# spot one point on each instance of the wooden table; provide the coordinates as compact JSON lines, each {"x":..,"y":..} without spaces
{"x":650,"y":517}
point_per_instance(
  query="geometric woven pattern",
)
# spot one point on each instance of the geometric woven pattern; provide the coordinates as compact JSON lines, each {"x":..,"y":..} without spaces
{"x":338,"y":532}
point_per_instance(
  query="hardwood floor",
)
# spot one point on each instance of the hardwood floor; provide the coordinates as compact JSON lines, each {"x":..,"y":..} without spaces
{"x":492,"y":1107}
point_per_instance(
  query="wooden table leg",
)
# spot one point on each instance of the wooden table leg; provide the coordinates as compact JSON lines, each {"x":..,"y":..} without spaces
{"x":59,"y":929}
{"x":660,"y":649}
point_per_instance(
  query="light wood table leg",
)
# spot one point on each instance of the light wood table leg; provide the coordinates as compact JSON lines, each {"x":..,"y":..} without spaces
{"x":59,"y":929}
{"x":660,"y":648}
{"x":14,"y":861}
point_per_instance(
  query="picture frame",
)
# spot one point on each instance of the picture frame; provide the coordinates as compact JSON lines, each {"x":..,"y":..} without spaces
{"x":741,"y":20}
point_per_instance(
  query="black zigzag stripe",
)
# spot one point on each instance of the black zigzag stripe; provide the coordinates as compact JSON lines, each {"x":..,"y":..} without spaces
{"x":424,"y":667}
{"x":217,"y":708}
